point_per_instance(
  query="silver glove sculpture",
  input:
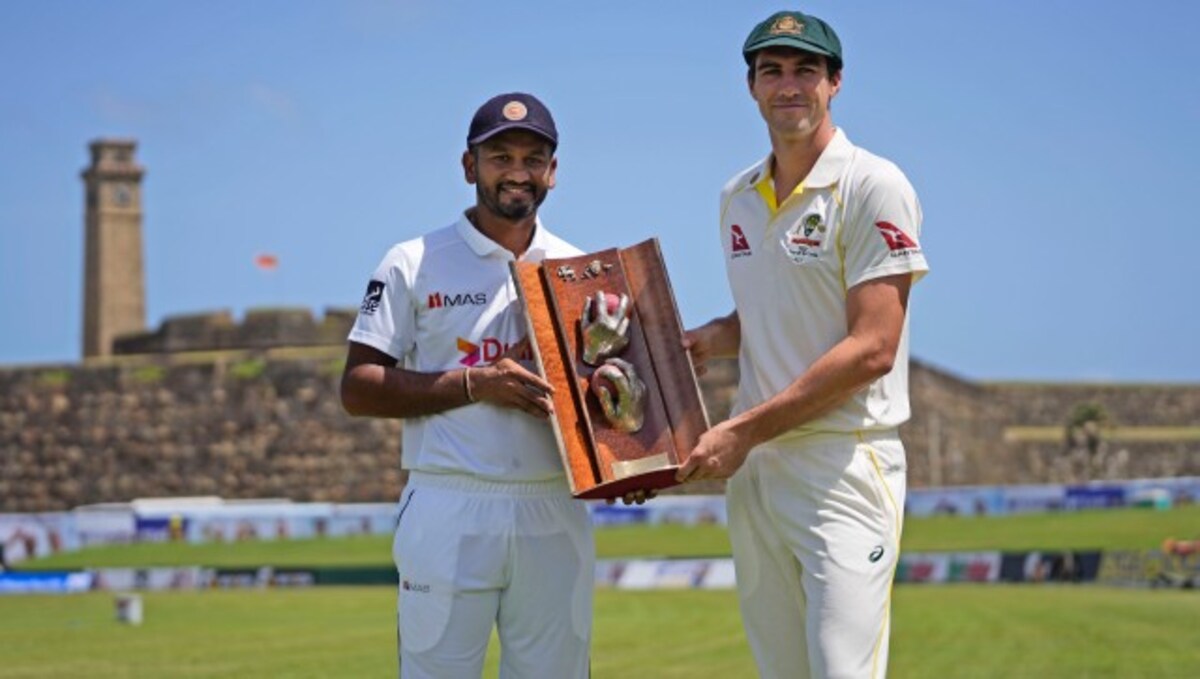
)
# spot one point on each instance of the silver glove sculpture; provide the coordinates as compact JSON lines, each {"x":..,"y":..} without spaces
{"x":604,"y":326}
{"x":626,"y":412}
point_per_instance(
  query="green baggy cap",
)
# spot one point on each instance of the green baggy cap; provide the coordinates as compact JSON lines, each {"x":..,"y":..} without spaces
{"x":794,"y":29}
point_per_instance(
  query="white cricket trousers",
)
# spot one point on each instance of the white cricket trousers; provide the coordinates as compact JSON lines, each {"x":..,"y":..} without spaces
{"x":815,"y":526}
{"x":473,"y":555}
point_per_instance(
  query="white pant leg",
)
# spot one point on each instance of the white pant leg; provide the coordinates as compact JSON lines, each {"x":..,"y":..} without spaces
{"x":835,"y":502}
{"x":770,"y":595}
{"x":471,"y":554}
{"x":451,"y":566}
{"x":545,"y":618}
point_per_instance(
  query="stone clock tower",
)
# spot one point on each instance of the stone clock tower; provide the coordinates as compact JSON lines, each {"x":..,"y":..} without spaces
{"x":113,"y":282}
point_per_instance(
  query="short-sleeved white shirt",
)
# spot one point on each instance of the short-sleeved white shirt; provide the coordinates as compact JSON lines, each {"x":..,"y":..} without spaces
{"x":854,"y":218}
{"x":447,"y":301}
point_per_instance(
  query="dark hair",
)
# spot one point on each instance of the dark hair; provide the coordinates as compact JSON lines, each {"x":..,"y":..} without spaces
{"x":832,"y":66}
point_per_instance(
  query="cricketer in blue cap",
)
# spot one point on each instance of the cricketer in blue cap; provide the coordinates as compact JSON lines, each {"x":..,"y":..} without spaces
{"x":487,"y":535}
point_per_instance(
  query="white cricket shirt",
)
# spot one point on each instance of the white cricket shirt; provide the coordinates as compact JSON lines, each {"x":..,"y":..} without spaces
{"x":447,"y":301}
{"x":854,"y":218}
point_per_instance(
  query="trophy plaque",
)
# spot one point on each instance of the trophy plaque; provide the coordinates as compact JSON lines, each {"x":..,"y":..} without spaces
{"x":605,"y":332}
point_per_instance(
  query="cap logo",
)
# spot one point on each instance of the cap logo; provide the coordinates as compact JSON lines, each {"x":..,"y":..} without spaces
{"x":787,"y":25}
{"x":515,"y":110}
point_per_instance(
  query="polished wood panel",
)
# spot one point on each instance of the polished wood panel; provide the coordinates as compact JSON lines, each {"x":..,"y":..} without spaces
{"x":603,"y":462}
{"x":648,"y":282}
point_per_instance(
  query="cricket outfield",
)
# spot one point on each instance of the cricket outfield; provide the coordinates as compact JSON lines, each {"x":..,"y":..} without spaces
{"x":962,"y":630}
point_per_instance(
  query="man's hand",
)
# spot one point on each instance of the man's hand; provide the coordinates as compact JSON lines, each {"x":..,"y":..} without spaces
{"x":508,"y":384}
{"x":719,"y":338}
{"x":638,"y":497}
{"x":718,"y":455}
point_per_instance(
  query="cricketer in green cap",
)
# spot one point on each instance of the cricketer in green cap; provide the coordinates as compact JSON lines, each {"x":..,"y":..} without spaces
{"x":821,"y":242}
{"x":794,"y":29}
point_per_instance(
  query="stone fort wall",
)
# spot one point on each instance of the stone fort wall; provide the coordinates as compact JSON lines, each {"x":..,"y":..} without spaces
{"x":259,"y":329}
{"x":261,"y":420}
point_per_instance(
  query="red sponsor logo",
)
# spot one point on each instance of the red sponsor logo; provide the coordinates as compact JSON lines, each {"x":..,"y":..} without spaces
{"x":805,"y":241}
{"x":922,"y":571}
{"x":439,"y":300}
{"x":740,"y":244}
{"x":895,"y":238}
{"x":978,"y":571}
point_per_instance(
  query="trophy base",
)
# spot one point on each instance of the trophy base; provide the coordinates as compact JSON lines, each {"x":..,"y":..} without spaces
{"x":619,"y":488}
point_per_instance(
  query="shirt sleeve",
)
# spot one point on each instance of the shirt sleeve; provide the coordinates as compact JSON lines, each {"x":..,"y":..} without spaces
{"x":387,"y":317}
{"x":882,"y":236}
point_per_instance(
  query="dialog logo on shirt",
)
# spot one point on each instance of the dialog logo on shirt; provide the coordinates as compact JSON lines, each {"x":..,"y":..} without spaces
{"x":900,"y":243}
{"x":439,"y":300}
{"x":740,"y":247}
{"x":374,"y":296}
{"x":488,"y":351}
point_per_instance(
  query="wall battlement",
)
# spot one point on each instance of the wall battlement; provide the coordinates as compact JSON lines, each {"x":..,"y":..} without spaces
{"x":268,"y":423}
{"x":259,"y":329}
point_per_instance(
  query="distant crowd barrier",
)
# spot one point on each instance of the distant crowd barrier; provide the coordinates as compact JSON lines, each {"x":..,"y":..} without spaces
{"x":1052,"y":497}
{"x":1152,"y":568}
{"x":211,"y":519}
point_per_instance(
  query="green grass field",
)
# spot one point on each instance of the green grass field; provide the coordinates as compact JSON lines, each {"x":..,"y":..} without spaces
{"x":1100,"y":529}
{"x":938,"y":631}
{"x":950,"y":631}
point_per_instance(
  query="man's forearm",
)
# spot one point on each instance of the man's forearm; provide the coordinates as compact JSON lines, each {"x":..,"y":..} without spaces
{"x":373,"y":390}
{"x":848,"y":367}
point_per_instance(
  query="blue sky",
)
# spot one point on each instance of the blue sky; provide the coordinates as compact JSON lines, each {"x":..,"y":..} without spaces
{"x":1054,"y":145}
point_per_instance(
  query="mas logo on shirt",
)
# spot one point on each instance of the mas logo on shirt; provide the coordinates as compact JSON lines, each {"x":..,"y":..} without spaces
{"x":739,"y":247}
{"x":441,"y":300}
{"x":488,"y":351}
{"x":374,"y":296}
{"x":900,"y":243}
{"x":802,"y":242}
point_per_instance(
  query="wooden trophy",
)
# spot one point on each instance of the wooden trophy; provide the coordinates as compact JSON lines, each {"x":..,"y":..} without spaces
{"x":605,"y":332}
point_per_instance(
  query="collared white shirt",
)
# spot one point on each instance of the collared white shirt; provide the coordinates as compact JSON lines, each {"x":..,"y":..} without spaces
{"x":446,"y":301}
{"x":854,"y":218}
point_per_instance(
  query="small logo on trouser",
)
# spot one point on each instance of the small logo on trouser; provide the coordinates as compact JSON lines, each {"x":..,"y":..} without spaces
{"x":414,"y":587}
{"x":876,"y":554}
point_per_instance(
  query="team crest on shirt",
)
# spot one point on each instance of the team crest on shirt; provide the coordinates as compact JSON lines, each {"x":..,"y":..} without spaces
{"x":374,"y":296}
{"x":802,"y":242}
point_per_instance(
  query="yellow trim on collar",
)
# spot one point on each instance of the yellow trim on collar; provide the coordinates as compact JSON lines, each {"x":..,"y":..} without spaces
{"x":766,"y":189}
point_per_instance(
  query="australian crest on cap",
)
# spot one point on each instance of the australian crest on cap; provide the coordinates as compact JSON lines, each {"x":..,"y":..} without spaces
{"x":787,"y":25}
{"x":515,"y":110}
